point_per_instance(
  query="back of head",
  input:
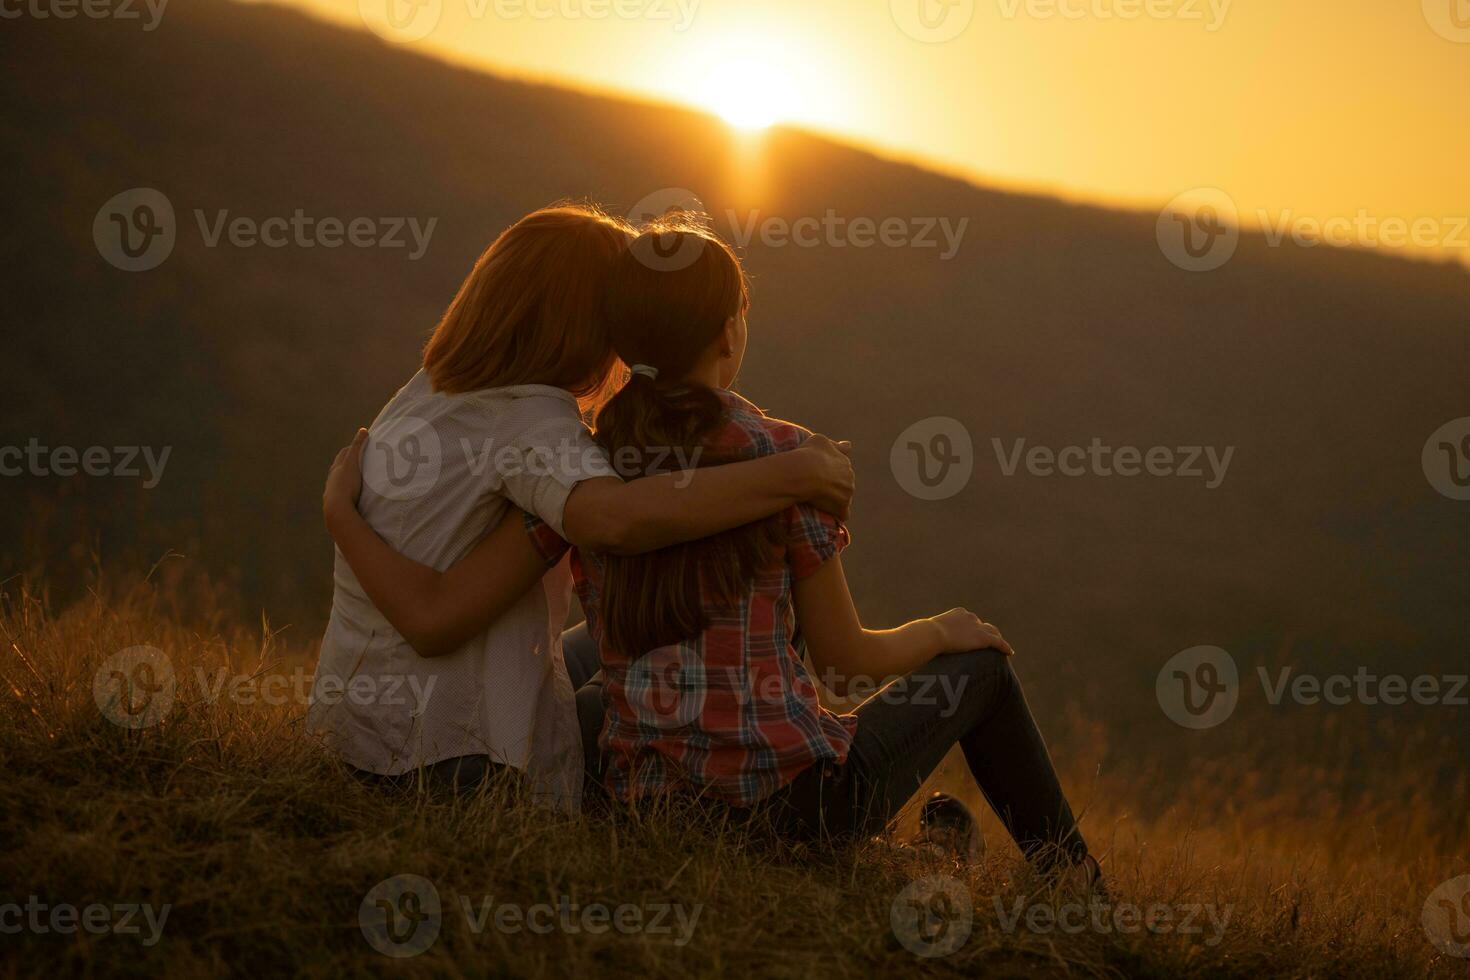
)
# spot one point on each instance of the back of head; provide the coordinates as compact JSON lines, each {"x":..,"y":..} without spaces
{"x":531,"y":310}
{"x":674,"y":290}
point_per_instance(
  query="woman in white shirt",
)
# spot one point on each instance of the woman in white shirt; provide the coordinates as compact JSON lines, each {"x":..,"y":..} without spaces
{"x":490,"y":427}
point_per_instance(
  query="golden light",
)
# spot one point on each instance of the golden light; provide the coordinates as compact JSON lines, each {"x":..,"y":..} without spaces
{"x":748,"y":94}
{"x":754,"y":82}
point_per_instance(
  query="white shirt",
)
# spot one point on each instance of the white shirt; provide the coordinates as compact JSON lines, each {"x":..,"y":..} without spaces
{"x":439,"y":471}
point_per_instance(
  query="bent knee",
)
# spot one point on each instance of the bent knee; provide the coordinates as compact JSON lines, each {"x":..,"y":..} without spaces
{"x":991,"y":666}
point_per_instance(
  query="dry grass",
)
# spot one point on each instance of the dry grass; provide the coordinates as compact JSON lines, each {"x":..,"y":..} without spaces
{"x":264,"y":849}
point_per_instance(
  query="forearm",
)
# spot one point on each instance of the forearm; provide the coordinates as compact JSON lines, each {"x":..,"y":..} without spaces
{"x":878,"y":655}
{"x":438,"y":612}
{"x":403,"y":590}
{"x":658,"y":511}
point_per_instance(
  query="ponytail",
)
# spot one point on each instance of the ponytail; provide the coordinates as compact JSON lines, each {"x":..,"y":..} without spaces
{"x":662,"y":320}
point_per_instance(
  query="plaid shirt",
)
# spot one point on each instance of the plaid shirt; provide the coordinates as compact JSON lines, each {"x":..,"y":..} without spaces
{"x":731,"y":712}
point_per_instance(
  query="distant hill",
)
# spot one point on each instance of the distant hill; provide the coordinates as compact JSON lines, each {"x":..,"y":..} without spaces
{"x":1325,"y":370}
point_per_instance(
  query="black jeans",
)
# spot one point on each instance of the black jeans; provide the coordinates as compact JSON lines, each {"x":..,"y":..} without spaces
{"x":460,"y":776}
{"x":904,"y":732}
{"x":585,"y":671}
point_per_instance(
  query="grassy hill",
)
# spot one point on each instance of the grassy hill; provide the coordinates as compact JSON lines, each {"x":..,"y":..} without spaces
{"x":257,"y":855}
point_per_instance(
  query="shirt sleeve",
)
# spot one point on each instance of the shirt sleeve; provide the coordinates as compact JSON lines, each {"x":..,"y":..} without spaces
{"x":813,"y":537}
{"x":548,"y":544}
{"x":547,"y":453}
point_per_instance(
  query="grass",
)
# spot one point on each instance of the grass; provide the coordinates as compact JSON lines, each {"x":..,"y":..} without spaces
{"x":263,"y":848}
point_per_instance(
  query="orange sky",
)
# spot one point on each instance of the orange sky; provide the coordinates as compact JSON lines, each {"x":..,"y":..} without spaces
{"x":1353,"y":110}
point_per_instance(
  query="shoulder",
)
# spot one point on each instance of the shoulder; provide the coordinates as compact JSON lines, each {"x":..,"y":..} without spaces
{"x":748,"y":431}
{"x":526,"y":402}
{"x":534,"y":413}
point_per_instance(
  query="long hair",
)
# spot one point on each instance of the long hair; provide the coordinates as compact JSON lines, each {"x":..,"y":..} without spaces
{"x":530,"y":311}
{"x":666,"y":315}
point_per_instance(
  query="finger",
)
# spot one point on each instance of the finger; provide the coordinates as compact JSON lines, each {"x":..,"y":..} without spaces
{"x":845,"y":447}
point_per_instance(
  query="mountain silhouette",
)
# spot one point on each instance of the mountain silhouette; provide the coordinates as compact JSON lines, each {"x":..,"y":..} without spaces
{"x":1324,"y":369}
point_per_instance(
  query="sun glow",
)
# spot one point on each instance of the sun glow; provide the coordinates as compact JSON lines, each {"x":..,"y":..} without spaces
{"x":747,"y":94}
{"x":753,"y":83}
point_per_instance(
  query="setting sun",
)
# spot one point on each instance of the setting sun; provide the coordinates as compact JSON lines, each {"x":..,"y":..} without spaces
{"x":754,"y":82}
{"x":747,"y":94}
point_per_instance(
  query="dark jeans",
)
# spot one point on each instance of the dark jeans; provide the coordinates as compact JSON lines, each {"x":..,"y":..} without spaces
{"x":461,"y":776}
{"x":585,"y":671}
{"x":903,"y":733}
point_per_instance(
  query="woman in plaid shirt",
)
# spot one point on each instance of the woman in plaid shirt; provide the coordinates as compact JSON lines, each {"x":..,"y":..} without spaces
{"x":704,"y":690}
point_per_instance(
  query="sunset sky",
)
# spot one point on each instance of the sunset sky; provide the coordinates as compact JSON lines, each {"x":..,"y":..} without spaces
{"x":1319,"y":109}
